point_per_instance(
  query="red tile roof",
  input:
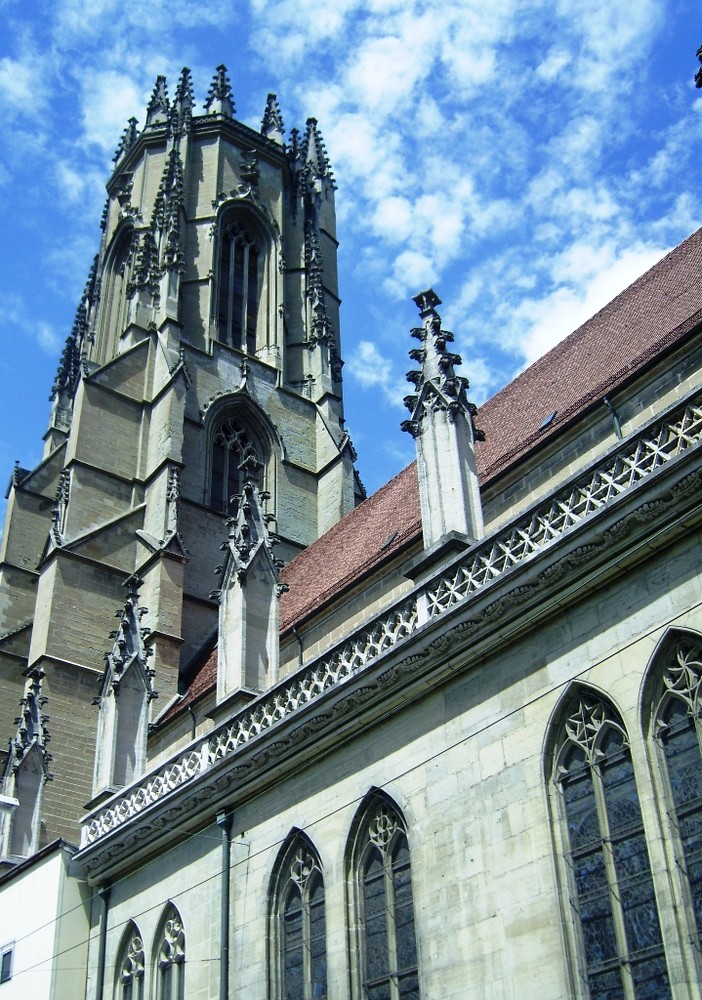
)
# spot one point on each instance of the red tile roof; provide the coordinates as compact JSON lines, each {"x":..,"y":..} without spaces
{"x":653,"y":314}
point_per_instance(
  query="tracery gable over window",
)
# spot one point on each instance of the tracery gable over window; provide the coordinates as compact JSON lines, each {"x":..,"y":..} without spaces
{"x":609,"y":879}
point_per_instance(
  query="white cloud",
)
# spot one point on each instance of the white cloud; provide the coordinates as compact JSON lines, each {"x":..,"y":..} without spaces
{"x":374,"y":371}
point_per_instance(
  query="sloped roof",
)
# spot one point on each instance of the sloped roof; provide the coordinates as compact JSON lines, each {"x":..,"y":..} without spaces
{"x":650,"y":316}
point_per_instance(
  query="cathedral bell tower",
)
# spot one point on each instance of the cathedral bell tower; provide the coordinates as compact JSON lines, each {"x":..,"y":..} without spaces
{"x":206,"y":343}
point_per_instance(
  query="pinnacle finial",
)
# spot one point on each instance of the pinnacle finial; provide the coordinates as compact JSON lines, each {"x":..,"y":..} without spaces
{"x":219,"y":99}
{"x":159,"y":105}
{"x":181,"y":112}
{"x":698,"y":74}
{"x":129,"y":137}
{"x":314,"y":152}
{"x":272,"y":124}
{"x":436,"y":384}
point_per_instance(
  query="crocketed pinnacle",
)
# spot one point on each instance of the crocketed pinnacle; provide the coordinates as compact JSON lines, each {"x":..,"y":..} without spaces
{"x":129,"y":641}
{"x":68,"y":372}
{"x":313,"y":151}
{"x":181,"y":112}
{"x":167,"y":209}
{"x":698,"y":74}
{"x":248,"y":529}
{"x":31,"y":725}
{"x":437,"y":385}
{"x":272,"y":123}
{"x":129,"y":137}
{"x":159,"y":106}
{"x":220,"y":100}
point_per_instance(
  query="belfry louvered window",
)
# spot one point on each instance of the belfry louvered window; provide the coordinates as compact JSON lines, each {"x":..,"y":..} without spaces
{"x":299,"y":925}
{"x":611,"y":883}
{"x":678,"y":731}
{"x":238,"y":288}
{"x":388,"y":949}
{"x":232,"y":445}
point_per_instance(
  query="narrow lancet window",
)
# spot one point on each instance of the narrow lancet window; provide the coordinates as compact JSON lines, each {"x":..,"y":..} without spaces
{"x":300,"y":930}
{"x":678,"y":730}
{"x":170,"y":960}
{"x":238,"y":289}
{"x":611,"y":885}
{"x":387,"y":945}
{"x":130,"y":966}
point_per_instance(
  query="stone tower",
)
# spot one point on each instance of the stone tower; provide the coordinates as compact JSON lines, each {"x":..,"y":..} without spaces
{"x":206,"y":342}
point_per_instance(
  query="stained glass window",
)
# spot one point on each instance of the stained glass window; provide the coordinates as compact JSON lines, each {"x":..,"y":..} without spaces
{"x":302,"y":926}
{"x":677,"y":729}
{"x":388,"y":943}
{"x":238,"y":289}
{"x":611,"y":874}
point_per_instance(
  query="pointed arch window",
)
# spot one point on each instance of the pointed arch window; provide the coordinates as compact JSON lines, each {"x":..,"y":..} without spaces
{"x":170,"y":958}
{"x":239,"y":288}
{"x":387,"y":943}
{"x":232,"y":444}
{"x":610,"y":874}
{"x":130,"y":966}
{"x":678,"y":731}
{"x":300,"y":924}
{"x":114,"y":304}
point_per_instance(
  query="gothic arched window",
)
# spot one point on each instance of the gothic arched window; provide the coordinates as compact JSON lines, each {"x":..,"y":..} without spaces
{"x":239,"y":287}
{"x":232,"y":444}
{"x":130,"y":965}
{"x":114,"y":298}
{"x":300,"y":924}
{"x":387,"y":944}
{"x":610,"y":874}
{"x":678,"y":731}
{"x":170,"y":957}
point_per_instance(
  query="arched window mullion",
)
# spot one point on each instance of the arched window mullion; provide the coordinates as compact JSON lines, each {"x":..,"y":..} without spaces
{"x":677,"y":729}
{"x":608,"y":857}
{"x":387,"y":945}
{"x":301,"y":925}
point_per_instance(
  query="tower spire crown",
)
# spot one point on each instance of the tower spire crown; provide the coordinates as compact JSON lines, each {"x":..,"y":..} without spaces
{"x":220,"y":100}
{"x":441,"y":422}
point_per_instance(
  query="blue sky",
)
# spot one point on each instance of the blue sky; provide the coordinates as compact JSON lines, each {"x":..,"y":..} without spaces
{"x":528,"y":159}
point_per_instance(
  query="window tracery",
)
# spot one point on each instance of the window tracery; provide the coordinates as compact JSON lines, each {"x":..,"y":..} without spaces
{"x":678,"y":732}
{"x":232,"y":445}
{"x":171,"y":957}
{"x":387,"y":944}
{"x":131,"y":966}
{"x":611,"y":883}
{"x":301,"y":925}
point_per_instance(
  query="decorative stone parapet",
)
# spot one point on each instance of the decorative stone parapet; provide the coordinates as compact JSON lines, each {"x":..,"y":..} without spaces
{"x":581,"y":500}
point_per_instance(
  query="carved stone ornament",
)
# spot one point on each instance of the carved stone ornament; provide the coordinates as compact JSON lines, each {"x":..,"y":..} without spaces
{"x":436,"y":383}
{"x":129,"y":647}
{"x":332,"y":685}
